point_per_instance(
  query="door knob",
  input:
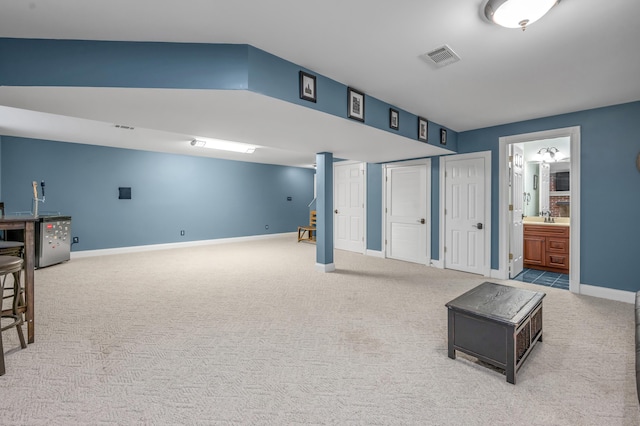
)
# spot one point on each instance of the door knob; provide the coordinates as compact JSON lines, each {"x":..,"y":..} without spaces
{"x":422,"y":221}
{"x":336,"y":211}
{"x":478,"y":225}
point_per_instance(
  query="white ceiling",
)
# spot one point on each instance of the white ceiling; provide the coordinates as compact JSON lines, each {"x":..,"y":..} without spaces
{"x":583,"y":54}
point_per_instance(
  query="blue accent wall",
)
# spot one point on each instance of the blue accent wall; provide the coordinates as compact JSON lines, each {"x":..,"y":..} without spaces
{"x":208,"y":198}
{"x":374,"y":206}
{"x":324,"y":212}
{"x":82,"y":63}
{"x":275,"y":77}
{"x":609,"y":235}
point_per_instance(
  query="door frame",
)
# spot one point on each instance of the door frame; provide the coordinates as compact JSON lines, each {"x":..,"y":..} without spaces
{"x":486,"y":155}
{"x":385,"y":167}
{"x":503,"y":204}
{"x":364,"y":199}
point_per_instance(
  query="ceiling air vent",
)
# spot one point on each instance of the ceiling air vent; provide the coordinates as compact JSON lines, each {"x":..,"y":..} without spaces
{"x":441,"y":56}
{"x":122,"y":126}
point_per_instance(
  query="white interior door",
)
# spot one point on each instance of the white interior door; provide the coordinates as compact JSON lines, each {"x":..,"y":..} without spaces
{"x":516,"y":252}
{"x":406,"y":213}
{"x":349,"y":207}
{"x":465,"y":215}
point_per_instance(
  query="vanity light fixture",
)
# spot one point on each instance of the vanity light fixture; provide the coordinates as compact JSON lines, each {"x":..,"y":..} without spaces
{"x":549,"y":155}
{"x":224,"y":145}
{"x":517,"y":13}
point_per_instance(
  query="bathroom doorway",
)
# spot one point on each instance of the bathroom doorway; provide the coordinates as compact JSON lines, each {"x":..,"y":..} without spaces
{"x":540,"y":208}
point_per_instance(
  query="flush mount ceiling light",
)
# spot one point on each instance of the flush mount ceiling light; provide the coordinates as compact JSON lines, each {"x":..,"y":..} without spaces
{"x":550,"y":155}
{"x":223,"y":145}
{"x":517,"y":13}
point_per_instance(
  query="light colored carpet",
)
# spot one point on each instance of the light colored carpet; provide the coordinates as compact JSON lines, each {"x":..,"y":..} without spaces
{"x":250,"y":333}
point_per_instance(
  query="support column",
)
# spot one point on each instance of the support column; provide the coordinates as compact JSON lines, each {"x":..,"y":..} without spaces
{"x":324,"y":212}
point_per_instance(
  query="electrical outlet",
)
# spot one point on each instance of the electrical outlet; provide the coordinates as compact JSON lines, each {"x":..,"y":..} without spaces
{"x":182,"y":233}
{"x":76,"y":240}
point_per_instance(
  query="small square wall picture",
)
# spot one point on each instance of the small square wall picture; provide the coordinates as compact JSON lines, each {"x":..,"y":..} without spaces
{"x":423,"y":129}
{"x":394,"y":119}
{"x":307,"y":86}
{"x":355,"y":104}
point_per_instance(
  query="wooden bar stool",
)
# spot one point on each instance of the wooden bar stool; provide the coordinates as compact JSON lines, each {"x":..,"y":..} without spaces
{"x":11,"y":265}
{"x":13,"y":248}
{"x":309,"y":230}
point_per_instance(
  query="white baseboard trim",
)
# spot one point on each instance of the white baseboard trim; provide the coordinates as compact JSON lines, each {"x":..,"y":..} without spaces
{"x":437,"y":264}
{"x":375,"y":253}
{"x":498,"y":274}
{"x":153,"y":247}
{"x":608,"y":293}
{"x":325,"y":268}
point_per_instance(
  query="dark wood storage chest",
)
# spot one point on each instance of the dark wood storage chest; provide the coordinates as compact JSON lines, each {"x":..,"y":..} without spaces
{"x":497,"y":324}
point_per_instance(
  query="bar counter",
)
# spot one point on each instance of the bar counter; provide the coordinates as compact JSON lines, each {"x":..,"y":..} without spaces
{"x":27,"y":224}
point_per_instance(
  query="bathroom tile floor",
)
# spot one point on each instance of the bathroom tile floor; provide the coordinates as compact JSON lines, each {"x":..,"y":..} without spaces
{"x":550,"y":279}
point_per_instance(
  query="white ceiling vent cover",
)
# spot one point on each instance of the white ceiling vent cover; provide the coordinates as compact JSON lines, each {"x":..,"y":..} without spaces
{"x":441,"y":56}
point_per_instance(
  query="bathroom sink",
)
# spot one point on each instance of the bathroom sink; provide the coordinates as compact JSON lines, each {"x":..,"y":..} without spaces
{"x":535,"y":220}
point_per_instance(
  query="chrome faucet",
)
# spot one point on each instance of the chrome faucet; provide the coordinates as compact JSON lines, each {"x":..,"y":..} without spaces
{"x":36,"y":200}
{"x":547,"y":217}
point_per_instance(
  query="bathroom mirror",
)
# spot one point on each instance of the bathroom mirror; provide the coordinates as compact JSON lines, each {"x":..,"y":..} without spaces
{"x":546,"y":187}
{"x":547,"y":178}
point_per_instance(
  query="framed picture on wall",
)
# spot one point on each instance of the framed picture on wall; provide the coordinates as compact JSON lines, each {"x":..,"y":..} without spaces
{"x":423,"y":129}
{"x":443,"y":136}
{"x":355,"y":104}
{"x":394,"y":119}
{"x":307,"y":86}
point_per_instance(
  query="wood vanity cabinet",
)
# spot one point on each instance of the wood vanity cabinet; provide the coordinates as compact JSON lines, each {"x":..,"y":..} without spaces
{"x":534,"y":249}
{"x":546,"y":247}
